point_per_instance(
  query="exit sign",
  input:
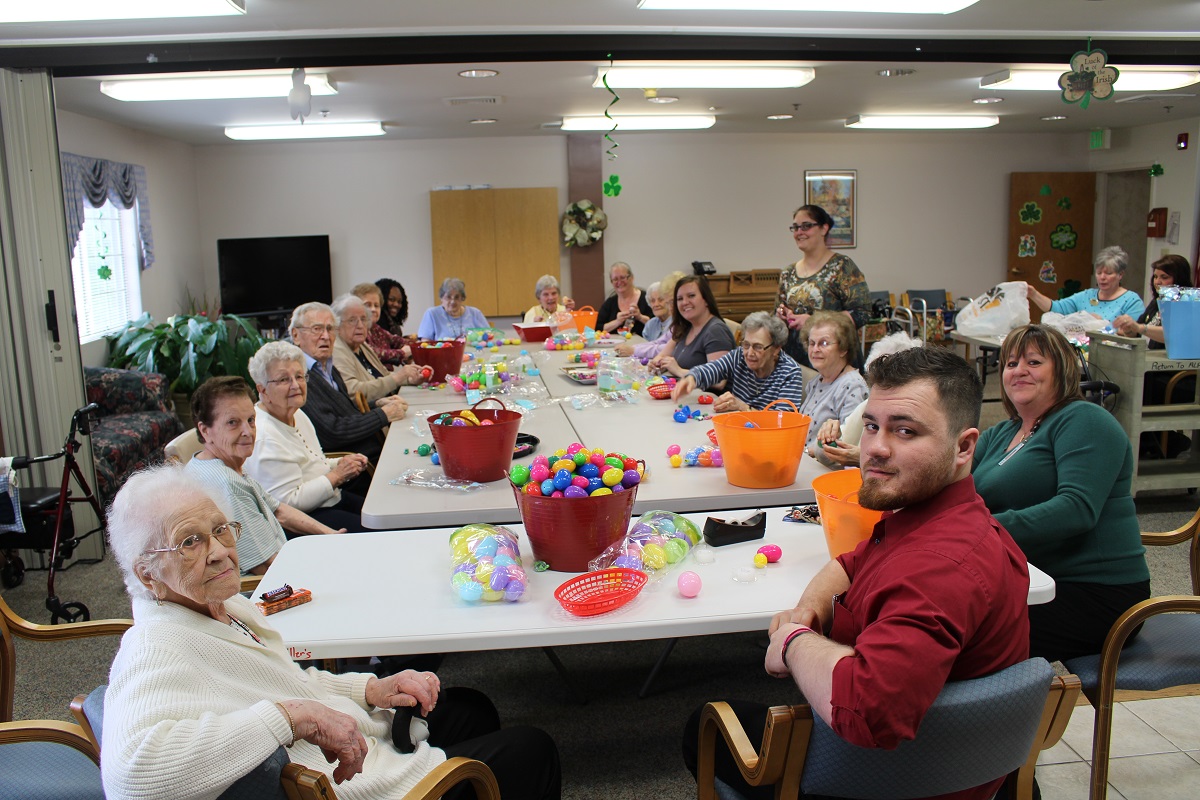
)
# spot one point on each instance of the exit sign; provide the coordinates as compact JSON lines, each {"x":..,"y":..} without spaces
{"x":1100,"y":139}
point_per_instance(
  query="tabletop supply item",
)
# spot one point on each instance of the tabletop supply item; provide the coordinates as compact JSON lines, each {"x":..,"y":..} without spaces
{"x":657,"y":541}
{"x":476,"y":444}
{"x":534,"y":331}
{"x":614,"y":374}
{"x":845,"y":522}
{"x":1181,"y":321}
{"x":282,"y":599}
{"x":581,"y":374}
{"x":486,"y":563}
{"x":719,"y":532}
{"x":762,"y":449}
{"x":995,"y":312}
{"x":597,"y":592}
{"x":585,"y":318}
{"x":445,"y":357}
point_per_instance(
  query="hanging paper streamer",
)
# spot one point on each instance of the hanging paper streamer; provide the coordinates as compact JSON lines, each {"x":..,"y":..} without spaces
{"x":1156,"y":169}
{"x":613,"y":187}
{"x":1031,"y":214}
{"x":612,"y":149}
{"x":1089,"y":76}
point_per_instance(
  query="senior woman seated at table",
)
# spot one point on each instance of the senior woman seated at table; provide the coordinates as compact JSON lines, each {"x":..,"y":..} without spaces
{"x":838,"y":387}
{"x":391,"y":348}
{"x":657,"y":331}
{"x":359,"y":365}
{"x":453,"y":318}
{"x":1108,"y":300}
{"x":758,"y":372}
{"x":203,"y":690}
{"x":287,"y":460}
{"x":1057,"y":476}
{"x":698,"y":334}
{"x":226,"y":421}
{"x":547,"y":292}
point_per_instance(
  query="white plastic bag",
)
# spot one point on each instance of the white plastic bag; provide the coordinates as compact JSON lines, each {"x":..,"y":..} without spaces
{"x":996,"y":312}
{"x":1075,"y":323}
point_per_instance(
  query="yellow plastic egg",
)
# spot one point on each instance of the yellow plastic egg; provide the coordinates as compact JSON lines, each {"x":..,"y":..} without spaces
{"x":563,"y":463}
{"x":654,"y":556}
{"x":492,"y":596}
{"x":601,"y":492}
{"x":612,"y":477}
{"x":677,"y":460}
{"x":560,"y":452}
{"x":760,"y":560}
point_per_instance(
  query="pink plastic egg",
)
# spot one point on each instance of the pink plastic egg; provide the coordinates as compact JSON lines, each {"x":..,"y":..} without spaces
{"x":689,"y":584}
{"x":674,"y":450}
{"x":772,"y":552}
{"x":539,"y":473}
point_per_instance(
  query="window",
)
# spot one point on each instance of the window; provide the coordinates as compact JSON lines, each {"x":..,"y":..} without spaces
{"x":105,"y":271}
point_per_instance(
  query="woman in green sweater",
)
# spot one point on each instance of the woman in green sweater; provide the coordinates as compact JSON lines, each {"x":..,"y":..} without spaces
{"x":1057,"y":477}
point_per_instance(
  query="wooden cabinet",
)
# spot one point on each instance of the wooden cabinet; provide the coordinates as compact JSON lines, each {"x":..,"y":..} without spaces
{"x":740,"y":293}
{"x":1125,"y":362}
{"x":499,"y":241}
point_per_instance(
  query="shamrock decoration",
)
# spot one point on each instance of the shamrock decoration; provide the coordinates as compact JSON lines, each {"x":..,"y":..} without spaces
{"x":1069,"y":288}
{"x":1156,"y":169}
{"x":613,"y":187}
{"x":1031,"y":214}
{"x":1088,"y":77}
{"x":1064,"y":204}
{"x":1064,"y":237}
{"x":105,"y":272}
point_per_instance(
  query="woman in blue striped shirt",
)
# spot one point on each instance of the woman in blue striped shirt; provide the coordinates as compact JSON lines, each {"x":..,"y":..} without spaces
{"x":756,"y":373}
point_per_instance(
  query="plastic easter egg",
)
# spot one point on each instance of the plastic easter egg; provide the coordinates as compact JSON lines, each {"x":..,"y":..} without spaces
{"x":562,"y":478}
{"x":580,"y":481}
{"x":567,"y":464}
{"x":503,"y":560}
{"x":595,"y":484}
{"x":579,"y":458}
{"x":435,"y":459}
{"x":458,"y":579}
{"x":613,"y":461}
{"x":519,"y":474}
{"x":470,"y":591}
{"x":548,"y":487}
{"x":760,"y":560}
{"x":705,"y":459}
{"x":556,"y":493}
{"x":657,"y":539}
{"x":573,"y":448}
{"x":486,"y":547}
{"x":717,"y":459}
{"x":541,"y":459}
{"x":514,"y":590}
{"x":628,"y":463}
{"x":560,"y":452}
{"x":666,"y":524}
{"x":680,"y":416}
{"x":498,"y":580}
{"x":689,"y":528}
{"x":589,"y":470}
{"x":617,"y":488}
{"x":603,"y":490}
{"x":627,"y":562}
{"x":539,"y":473}
{"x":575,"y":491}
{"x":674,"y":449}
{"x":424,"y":449}
{"x":486,"y":422}
{"x":631,"y":477}
{"x":654,"y":556}
{"x":676,"y":460}
{"x":483,"y":571}
{"x":459,"y":422}
{"x":611,"y":476}
{"x":533,"y":487}
{"x":491,"y":595}
{"x":772,"y":551}
{"x":689,"y":584}
{"x":675,"y":550}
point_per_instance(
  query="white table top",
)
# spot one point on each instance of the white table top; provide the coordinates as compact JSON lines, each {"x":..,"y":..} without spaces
{"x":388,"y":593}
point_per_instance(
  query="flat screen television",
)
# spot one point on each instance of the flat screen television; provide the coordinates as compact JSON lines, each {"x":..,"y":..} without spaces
{"x":272,"y":274}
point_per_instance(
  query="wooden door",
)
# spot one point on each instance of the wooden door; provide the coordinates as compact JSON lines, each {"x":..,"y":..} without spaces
{"x":526,"y":245}
{"x":1050,"y":231}
{"x":464,"y":244}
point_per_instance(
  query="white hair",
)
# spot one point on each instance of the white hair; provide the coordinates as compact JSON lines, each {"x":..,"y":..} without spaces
{"x":269,"y":355}
{"x":136,"y":519}
{"x":301,"y":312}
{"x":890,"y":345}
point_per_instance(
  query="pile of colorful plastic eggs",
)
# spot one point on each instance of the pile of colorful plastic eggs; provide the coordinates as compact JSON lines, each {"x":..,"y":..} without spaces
{"x":436,"y":345}
{"x":576,"y":471}
{"x":657,"y":540}
{"x":704,"y":456}
{"x":569,"y":340}
{"x":461,"y":419}
{"x":487,"y":564}
{"x":589,"y":357}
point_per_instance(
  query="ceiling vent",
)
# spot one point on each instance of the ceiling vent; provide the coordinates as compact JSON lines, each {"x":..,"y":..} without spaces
{"x":1155,"y":97}
{"x":473,"y":101}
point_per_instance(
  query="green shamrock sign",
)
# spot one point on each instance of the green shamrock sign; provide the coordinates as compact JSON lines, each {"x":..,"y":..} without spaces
{"x":1064,"y":203}
{"x":1031,"y":214}
{"x":613,"y":187}
{"x":1064,"y":237}
{"x":105,"y":272}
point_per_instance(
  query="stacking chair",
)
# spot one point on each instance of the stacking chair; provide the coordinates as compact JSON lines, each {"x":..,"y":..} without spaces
{"x":1166,"y":653}
{"x":975,"y":731}
{"x":183,"y":446}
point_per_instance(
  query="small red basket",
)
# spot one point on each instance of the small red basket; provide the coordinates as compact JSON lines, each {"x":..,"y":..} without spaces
{"x":596,"y":592}
{"x":660,"y":391}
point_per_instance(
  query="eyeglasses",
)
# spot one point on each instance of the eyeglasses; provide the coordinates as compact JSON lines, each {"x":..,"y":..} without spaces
{"x":802,"y":226}
{"x":355,"y":321}
{"x":299,"y":380}
{"x":755,"y":347}
{"x":823,"y":344}
{"x":196,"y":545}
{"x":317,"y":330}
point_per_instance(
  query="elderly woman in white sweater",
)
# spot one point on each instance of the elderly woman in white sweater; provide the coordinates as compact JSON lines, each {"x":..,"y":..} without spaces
{"x":203,"y":690}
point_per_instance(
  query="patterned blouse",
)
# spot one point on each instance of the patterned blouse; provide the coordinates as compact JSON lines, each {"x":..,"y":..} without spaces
{"x":386,"y":344}
{"x":837,"y":286}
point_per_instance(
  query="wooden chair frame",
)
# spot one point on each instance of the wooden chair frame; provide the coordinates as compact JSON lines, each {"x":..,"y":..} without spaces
{"x":780,"y":760}
{"x":301,"y":783}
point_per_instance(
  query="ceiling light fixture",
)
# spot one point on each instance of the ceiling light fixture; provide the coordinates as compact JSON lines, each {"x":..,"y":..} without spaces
{"x":639,"y":123}
{"x":311,"y":130}
{"x":780,"y":116}
{"x":210,"y":86}
{"x":478,"y":73}
{"x":922,"y":122}
{"x":864,"y":6}
{"x":1053,"y":118}
{"x":663,"y":99}
{"x":704,"y":77}
{"x":483,"y":121}
{"x":71,"y":10}
{"x":896,"y":72}
{"x":984,"y":101}
{"x":1130,"y":79}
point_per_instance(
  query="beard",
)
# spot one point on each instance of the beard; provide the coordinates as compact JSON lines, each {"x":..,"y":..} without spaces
{"x":907,"y":486}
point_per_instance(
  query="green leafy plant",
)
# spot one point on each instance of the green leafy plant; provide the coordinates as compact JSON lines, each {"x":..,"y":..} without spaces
{"x":187,"y":349}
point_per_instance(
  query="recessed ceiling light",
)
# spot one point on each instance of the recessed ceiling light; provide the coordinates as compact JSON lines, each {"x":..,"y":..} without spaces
{"x":639,"y":123}
{"x":710,"y":77}
{"x":1053,"y":118}
{"x":69,"y":10}
{"x":983,"y":101}
{"x":923,"y":121}
{"x":663,"y":99}
{"x":478,"y":73}
{"x":213,"y":86}
{"x":1130,"y":79}
{"x":780,"y":116}
{"x":309,"y":130}
{"x":866,"y":6}
{"x":482,"y":121}
{"x":896,"y":73}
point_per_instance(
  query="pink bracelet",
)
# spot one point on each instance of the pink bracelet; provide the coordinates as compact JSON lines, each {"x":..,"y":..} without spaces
{"x":799,"y":631}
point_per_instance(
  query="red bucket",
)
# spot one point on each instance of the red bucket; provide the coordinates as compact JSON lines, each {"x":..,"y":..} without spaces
{"x":568,"y":532}
{"x":444,"y":361}
{"x":480,"y":453}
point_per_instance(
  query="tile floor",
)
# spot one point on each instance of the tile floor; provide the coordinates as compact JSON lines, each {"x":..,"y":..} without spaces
{"x":1155,"y":753}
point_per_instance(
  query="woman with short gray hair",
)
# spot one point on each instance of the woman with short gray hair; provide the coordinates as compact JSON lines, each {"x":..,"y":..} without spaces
{"x":453,"y":318}
{"x":548,"y":306}
{"x":757,"y":373}
{"x":1108,"y":300}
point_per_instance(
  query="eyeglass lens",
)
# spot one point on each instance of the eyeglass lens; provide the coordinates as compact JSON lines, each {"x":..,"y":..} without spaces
{"x":197,"y":543}
{"x":802,"y":226}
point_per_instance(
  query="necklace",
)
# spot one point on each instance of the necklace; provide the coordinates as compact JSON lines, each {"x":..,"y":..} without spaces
{"x":1037,"y":423}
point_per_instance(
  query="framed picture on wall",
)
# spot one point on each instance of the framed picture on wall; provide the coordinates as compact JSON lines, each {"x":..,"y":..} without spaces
{"x":835,"y":190}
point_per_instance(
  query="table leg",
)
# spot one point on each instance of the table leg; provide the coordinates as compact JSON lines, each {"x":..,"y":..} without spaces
{"x":580,"y":697}
{"x":658,"y":665}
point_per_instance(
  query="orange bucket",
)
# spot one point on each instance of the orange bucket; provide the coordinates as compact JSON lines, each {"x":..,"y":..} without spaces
{"x":568,"y":532}
{"x":585,"y":318}
{"x":480,"y":453}
{"x":767,"y":454}
{"x":442,"y":360}
{"x":846,"y":523}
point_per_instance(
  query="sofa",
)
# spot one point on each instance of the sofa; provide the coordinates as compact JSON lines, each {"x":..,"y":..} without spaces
{"x":135,"y":420}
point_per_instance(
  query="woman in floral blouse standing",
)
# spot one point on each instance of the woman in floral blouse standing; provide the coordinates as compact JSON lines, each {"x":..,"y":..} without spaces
{"x":820,"y":280}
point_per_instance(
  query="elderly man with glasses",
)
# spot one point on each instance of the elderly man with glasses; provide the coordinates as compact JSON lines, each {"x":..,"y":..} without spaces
{"x":756,"y":374}
{"x":339,"y":423}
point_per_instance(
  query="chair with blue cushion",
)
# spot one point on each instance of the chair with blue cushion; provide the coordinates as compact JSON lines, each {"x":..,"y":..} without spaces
{"x":976,"y":731}
{"x":1166,"y":653}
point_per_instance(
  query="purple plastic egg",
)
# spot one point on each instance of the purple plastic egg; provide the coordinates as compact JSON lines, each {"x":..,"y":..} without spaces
{"x":575,"y":491}
{"x":617,"y":488}
{"x":499,"y":580}
{"x":631,"y":478}
{"x":514,"y":590}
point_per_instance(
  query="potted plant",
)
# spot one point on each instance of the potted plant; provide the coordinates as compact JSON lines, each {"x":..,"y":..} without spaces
{"x":188,"y":349}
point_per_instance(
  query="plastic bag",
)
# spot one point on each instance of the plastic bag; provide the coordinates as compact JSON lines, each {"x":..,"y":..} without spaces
{"x":1075,"y":323}
{"x":487,"y":564}
{"x":433,"y":480}
{"x":997,"y":311}
{"x":656,"y":542}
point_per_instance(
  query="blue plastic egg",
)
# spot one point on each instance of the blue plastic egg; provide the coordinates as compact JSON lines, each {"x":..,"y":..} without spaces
{"x":548,"y":487}
{"x":589,"y":470}
{"x":435,"y":459}
{"x":594,"y":484}
{"x":486,"y":547}
{"x":503,"y":560}
{"x":562,"y":479}
{"x":470,"y":591}
{"x":680,"y":416}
